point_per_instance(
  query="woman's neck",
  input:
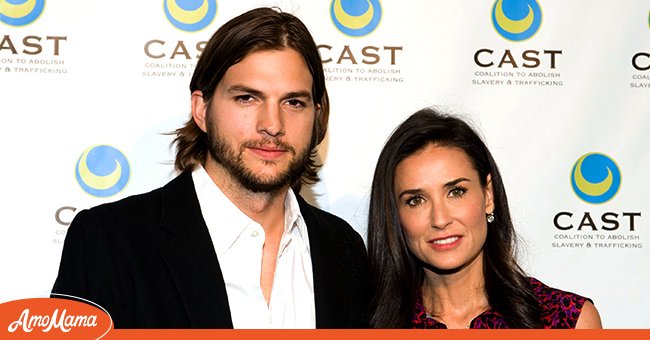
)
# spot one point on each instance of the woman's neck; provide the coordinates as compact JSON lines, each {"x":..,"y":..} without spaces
{"x":455,"y":299}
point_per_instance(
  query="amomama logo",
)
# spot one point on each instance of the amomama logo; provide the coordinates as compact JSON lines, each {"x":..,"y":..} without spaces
{"x":55,"y":316}
{"x":356,"y":18}
{"x":102,"y":171}
{"x":516,"y":20}
{"x":595,"y":178}
{"x":190,"y":15}
{"x":20,"y":12}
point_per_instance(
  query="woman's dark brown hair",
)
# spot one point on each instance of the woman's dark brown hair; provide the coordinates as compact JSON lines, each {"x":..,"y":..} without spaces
{"x":396,"y":274}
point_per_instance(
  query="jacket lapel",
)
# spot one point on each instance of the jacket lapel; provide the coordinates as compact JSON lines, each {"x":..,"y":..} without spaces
{"x":190,"y":257}
{"x":326,"y":288}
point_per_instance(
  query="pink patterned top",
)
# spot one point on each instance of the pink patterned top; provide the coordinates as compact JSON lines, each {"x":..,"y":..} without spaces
{"x":560,"y":309}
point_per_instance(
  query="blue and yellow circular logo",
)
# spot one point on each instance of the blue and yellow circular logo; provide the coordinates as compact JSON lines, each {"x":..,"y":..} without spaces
{"x":190,"y":15}
{"x":103,"y":171}
{"x":595,"y":178}
{"x":517,"y":20}
{"x":356,"y":18}
{"x":20,"y":12}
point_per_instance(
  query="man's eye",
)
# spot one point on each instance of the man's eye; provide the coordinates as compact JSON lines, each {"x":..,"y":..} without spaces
{"x":296,"y":103}
{"x":246,"y":98}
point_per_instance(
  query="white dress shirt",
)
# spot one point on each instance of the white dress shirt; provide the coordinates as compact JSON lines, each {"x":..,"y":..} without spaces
{"x":238,"y":242}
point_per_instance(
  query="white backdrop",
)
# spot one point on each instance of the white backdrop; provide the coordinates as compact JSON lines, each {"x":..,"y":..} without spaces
{"x":76,"y":75}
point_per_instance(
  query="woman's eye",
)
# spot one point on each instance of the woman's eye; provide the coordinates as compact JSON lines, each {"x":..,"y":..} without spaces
{"x":457,"y":192}
{"x":414,"y":201}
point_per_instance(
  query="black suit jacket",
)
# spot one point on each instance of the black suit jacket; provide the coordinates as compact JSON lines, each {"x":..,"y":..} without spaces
{"x":149,"y":261}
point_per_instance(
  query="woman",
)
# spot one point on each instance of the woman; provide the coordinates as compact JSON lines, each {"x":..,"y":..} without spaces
{"x":441,"y":241}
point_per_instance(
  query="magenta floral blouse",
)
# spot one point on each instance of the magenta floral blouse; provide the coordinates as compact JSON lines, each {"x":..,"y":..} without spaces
{"x":560,"y":309}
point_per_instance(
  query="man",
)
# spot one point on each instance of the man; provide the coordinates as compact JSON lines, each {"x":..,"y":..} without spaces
{"x":230,"y":242}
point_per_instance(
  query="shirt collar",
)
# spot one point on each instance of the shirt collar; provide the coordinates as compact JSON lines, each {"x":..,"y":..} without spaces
{"x":294,"y":223}
{"x":226,"y":222}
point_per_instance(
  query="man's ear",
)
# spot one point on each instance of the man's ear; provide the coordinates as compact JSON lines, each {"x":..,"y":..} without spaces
{"x":318,"y":111}
{"x":199,"y":109}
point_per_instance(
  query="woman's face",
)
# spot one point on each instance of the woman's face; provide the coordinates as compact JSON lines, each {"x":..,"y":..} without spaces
{"x":442,"y":207}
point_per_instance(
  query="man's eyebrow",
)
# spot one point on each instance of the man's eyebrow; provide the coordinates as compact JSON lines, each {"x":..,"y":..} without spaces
{"x":298,"y":94}
{"x":246,"y":89}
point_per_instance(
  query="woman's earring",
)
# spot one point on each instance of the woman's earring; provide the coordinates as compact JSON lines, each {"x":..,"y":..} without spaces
{"x":490,"y":218}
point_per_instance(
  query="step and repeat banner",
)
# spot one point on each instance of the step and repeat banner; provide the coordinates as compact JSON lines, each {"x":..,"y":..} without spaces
{"x":559,"y":89}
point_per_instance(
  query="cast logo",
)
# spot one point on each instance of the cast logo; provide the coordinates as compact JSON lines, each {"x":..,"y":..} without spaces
{"x":20,"y":12}
{"x":190,"y":15}
{"x":356,"y":18}
{"x":516,"y":20}
{"x":519,"y":20}
{"x":102,"y":171}
{"x":595,"y":178}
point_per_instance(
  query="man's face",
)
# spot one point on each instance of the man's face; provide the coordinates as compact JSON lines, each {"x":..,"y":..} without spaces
{"x":260,"y":120}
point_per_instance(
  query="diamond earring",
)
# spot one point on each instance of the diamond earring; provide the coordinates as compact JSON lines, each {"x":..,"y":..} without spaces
{"x":490,"y":218}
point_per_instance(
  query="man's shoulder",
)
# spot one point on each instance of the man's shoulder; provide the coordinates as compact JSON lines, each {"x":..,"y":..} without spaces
{"x":130,"y":204}
{"x":310,"y":211}
{"x":326,"y":222}
{"x":138,"y":205}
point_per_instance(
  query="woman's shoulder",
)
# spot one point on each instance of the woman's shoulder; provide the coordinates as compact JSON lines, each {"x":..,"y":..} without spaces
{"x":560,"y":309}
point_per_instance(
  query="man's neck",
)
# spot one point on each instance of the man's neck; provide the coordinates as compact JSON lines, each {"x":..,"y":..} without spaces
{"x":265,"y":208}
